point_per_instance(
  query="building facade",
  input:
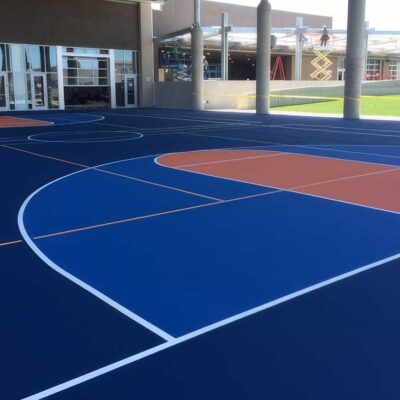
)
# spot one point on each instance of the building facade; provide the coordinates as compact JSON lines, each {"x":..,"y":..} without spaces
{"x":76,"y":53}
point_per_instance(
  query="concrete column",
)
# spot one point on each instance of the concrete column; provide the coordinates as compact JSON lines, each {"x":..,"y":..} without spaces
{"x":299,"y":48}
{"x":355,"y":58}
{"x":60,"y":74}
{"x":263,"y":57}
{"x":113,"y":103}
{"x":18,"y":67}
{"x":197,"y":61}
{"x":224,"y":47}
{"x":146,"y":63}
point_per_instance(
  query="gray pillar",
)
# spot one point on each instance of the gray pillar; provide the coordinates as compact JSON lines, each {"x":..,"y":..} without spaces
{"x":355,"y":58}
{"x":197,"y":61}
{"x":146,"y":85}
{"x":263,"y":57}
{"x":224,"y":47}
{"x":299,"y":48}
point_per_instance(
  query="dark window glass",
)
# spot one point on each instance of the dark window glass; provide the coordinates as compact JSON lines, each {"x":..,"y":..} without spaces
{"x":3,"y":58}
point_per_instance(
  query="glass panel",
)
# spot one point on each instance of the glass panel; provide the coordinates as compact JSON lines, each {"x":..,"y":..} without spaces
{"x":52,"y":90}
{"x":51,"y":59}
{"x":130,"y":91}
{"x":103,"y":64}
{"x":11,"y":97}
{"x":3,"y":99}
{"x":119,"y":91}
{"x":84,"y":63}
{"x":119,"y":56}
{"x":35,"y":58}
{"x":103,"y":81}
{"x":38,"y":91}
{"x":3,"y":62}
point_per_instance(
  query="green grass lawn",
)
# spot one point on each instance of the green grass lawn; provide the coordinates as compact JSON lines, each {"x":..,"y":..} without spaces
{"x":374,"y":106}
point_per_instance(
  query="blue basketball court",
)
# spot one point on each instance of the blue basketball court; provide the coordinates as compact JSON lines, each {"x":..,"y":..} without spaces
{"x":183,"y":255}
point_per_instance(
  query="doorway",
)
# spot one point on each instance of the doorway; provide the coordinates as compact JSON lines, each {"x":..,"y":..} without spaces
{"x":131,"y":91}
{"x":39,"y":91}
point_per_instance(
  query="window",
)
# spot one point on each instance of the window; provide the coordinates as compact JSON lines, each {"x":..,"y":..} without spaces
{"x":394,"y":69}
{"x":84,"y":51}
{"x":125,"y":62}
{"x":373,"y":70}
{"x":85,"y":71}
{"x":4,"y":58}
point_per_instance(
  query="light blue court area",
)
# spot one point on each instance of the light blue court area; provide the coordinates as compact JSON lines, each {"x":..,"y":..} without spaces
{"x":182,"y":259}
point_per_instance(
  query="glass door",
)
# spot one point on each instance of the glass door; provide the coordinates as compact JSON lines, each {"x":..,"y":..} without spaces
{"x":130,"y":91}
{"x":4,"y":99}
{"x":39,"y":91}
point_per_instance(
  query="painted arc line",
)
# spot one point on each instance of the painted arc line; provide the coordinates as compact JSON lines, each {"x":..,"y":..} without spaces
{"x":215,"y":326}
{"x":119,"y":138}
{"x":130,"y":360}
{"x":166,"y":336}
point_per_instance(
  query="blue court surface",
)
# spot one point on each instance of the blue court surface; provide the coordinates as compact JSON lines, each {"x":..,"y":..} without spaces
{"x":125,"y":277}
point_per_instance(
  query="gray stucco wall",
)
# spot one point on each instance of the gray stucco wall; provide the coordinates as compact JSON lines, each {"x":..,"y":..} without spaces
{"x":81,"y":23}
{"x":241,"y":94}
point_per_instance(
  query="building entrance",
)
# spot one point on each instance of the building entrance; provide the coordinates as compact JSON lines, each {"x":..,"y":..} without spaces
{"x":130,"y":91}
{"x":39,"y":91}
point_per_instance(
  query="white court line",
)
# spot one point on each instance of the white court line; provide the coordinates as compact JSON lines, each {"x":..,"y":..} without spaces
{"x":115,"y":138}
{"x":345,"y":128}
{"x":232,"y":160}
{"x":264,"y":142}
{"x":71,"y":277}
{"x":340,"y":131}
{"x":188,"y":118}
{"x":98,"y":118}
{"x":174,"y":341}
{"x":202,"y":331}
{"x":296,"y":189}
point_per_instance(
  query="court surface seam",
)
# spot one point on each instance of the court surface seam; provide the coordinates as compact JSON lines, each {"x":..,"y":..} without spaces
{"x":10,"y":243}
{"x":219,"y":201}
{"x":87,"y":167}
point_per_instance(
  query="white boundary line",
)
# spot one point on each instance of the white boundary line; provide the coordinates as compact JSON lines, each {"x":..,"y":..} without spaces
{"x":34,"y":138}
{"x":296,"y":189}
{"x":98,"y":118}
{"x":278,"y":144}
{"x":171,"y":341}
{"x":202,"y":331}
{"x":314,"y":128}
{"x":72,"y":278}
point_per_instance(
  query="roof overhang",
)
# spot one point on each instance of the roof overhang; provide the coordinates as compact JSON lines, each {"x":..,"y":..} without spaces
{"x":138,"y":1}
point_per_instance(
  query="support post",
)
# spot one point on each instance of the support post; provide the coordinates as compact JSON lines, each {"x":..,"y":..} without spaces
{"x":197,"y":61}
{"x":146,"y":85}
{"x":299,"y":48}
{"x":224,"y":47}
{"x":355,"y":58}
{"x":263,"y":57}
